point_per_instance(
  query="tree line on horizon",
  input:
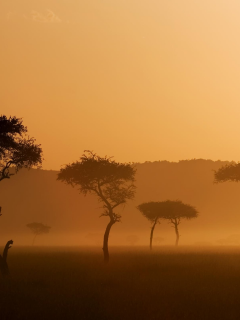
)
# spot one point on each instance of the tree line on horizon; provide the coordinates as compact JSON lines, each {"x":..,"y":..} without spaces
{"x":110,"y":181}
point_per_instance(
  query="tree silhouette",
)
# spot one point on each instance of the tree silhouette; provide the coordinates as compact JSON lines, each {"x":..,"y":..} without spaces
{"x":153,"y":211}
{"x":111,"y":181}
{"x":17,"y":150}
{"x":176,"y":211}
{"x":38,"y":228}
{"x":229,"y":172}
{"x":173,"y":211}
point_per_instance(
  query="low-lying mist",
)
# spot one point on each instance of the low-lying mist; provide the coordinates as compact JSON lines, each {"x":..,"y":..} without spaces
{"x":36,"y":196}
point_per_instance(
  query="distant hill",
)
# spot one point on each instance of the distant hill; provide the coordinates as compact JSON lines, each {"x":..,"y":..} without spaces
{"x":36,"y":196}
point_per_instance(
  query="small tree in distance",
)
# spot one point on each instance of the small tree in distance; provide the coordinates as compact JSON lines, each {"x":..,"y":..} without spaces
{"x":112,"y":182}
{"x":38,"y":228}
{"x":153,"y":211}
{"x":175,"y":211}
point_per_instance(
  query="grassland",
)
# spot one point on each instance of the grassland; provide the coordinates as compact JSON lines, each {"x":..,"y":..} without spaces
{"x":74,"y":283}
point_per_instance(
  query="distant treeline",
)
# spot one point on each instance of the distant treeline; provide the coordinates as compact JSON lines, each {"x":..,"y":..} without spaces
{"x":35,"y":195}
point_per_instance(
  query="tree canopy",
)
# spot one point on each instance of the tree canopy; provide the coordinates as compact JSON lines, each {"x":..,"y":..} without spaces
{"x":167,"y":210}
{"x":153,"y":210}
{"x":38,"y":228}
{"x":179,"y":210}
{"x":17,"y":149}
{"x":111,"y":181}
{"x":229,"y":172}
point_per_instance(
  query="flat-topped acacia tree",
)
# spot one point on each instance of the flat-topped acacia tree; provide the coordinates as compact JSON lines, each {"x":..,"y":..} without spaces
{"x":175,"y":211}
{"x":112,"y":182}
{"x":153,"y":211}
{"x":37,"y":229}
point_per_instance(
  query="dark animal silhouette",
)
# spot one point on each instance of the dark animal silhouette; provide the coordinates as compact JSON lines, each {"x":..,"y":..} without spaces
{"x":3,"y":259}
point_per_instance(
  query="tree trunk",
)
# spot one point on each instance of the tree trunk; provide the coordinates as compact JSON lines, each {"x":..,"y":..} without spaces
{"x":3,"y":259}
{"x":177,"y":234}
{"x":34,"y":239}
{"x":105,"y":241}
{"x":151,"y":234}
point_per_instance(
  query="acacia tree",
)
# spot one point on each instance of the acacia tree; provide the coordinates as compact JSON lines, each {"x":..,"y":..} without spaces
{"x":37,"y":229}
{"x":153,"y":211}
{"x":112,"y":182}
{"x":175,"y":211}
{"x":17,"y":150}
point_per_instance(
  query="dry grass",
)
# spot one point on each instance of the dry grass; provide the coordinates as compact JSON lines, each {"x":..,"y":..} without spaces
{"x":70,"y":283}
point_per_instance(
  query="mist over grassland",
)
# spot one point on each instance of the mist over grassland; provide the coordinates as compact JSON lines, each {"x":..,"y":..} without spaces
{"x":36,"y":195}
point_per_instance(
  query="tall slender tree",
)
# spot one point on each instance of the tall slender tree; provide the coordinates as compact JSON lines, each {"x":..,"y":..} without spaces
{"x":112,"y":182}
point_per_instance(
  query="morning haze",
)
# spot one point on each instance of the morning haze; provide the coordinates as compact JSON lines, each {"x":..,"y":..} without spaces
{"x":119,"y":159}
{"x":160,"y":76}
{"x":75,"y":218}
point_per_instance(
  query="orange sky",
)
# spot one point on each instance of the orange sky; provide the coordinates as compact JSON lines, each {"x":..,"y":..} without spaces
{"x":136,"y":79}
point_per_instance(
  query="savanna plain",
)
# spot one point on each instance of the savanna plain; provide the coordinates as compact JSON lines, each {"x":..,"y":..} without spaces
{"x":167,"y":283}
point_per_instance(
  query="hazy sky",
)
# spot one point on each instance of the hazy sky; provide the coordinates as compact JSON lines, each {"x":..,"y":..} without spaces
{"x":136,"y":79}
